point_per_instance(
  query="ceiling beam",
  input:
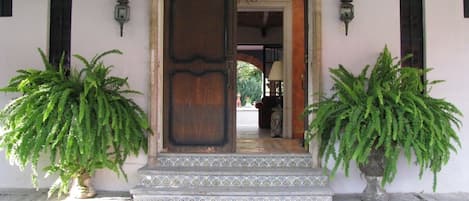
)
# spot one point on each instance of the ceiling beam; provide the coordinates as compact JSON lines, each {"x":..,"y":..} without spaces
{"x":264,"y":27}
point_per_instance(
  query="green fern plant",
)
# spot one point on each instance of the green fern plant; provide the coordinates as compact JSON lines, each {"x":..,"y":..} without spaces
{"x":389,"y":110}
{"x":84,"y":121}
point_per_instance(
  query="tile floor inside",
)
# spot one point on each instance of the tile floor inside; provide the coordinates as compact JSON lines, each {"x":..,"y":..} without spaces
{"x":251,"y":139}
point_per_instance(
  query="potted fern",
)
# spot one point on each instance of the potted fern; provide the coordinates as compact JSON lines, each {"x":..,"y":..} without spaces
{"x":372,"y":119}
{"x":83,"y":121}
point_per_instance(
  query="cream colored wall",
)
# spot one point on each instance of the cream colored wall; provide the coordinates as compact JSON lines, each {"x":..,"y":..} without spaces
{"x":376,"y":23}
{"x":95,"y":30}
{"x":20,"y":36}
{"x":447,"y":52}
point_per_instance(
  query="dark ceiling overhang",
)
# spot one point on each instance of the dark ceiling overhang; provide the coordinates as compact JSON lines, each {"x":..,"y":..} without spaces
{"x":262,"y":20}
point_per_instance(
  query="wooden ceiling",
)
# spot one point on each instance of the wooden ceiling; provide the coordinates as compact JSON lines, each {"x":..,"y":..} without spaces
{"x":263,"y":20}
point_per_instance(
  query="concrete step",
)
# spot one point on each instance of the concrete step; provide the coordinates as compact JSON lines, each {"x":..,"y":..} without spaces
{"x":232,"y":194}
{"x":232,"y":177}
{"x":235,"y":160}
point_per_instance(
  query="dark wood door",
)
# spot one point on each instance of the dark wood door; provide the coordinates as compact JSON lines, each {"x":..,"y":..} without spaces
{"x":199,"y":76}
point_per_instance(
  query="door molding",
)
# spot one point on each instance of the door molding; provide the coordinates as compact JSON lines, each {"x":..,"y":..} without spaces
{"x":155,"y":142}
{"x":314,"y":52}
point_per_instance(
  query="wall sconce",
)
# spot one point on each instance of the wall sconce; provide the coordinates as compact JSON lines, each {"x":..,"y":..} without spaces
{"x":346,"y":13}
{"x":122,"y":13}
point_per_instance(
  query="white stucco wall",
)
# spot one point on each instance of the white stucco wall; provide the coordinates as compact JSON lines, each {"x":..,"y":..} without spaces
{"x":376,"y":23}
{"x":21,"y":35}
{"x":94,"y":30}
{"x":369,"y":31}
{"x":447,"y":48}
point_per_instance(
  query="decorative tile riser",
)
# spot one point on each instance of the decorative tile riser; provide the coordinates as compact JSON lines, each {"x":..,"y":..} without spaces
{"x":230,"y":198}
{"x":232,"y":181}
{"x":235,"y":161}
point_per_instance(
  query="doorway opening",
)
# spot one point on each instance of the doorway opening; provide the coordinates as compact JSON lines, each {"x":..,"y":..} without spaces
{"x":193,"y":74}
{"x":249,"y":94}
{"x":260,"y":126}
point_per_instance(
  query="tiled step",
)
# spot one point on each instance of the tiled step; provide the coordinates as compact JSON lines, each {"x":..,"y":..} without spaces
{"x":235,"y":160}
{"x":232,"y":177}
{"x":232,"y":194}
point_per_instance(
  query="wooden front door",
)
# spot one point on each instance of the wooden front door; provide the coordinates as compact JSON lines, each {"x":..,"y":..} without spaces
{"x":199,"y":76}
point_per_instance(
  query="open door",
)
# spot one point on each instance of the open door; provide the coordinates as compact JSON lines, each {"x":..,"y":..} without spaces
{"x":199,"y":76}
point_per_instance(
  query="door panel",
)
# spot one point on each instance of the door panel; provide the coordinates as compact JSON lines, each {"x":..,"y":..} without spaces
{"x":197,"y":30}
{"x":198,"y":107}
{"x":198,"y":71}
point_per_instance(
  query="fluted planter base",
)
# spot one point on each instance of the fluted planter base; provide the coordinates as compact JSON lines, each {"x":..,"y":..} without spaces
{"x":373,"y":190}
{"x":373,"y":171}
{"x":82,"y":187}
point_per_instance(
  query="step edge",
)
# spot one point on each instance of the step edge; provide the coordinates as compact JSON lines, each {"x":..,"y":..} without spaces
{"x":269,"y":155}
{"x":232,"y":171}
{"x":238,"y":191}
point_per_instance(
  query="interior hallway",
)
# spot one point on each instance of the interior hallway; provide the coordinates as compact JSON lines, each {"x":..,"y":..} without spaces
{"x":251,"y":139}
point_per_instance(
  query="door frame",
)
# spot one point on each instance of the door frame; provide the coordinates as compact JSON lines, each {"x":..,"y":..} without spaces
{"x":314,"y":53}
{"x":156,"y":64}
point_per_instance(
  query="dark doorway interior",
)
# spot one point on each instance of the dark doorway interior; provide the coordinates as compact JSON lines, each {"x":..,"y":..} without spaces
{"x":260,"y":42}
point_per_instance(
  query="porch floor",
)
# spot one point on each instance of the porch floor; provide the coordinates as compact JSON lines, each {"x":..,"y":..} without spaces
{"x":41,"y":195}
{"x":251,"y":139}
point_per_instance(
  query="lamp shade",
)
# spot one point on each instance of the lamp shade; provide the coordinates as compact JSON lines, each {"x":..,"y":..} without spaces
{"x":276,"y":72}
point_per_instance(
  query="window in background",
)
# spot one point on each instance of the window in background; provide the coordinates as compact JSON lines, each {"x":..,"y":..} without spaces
{"x":466,"y":8}
{"x":5,"y":8}
{"x":412,"y":37}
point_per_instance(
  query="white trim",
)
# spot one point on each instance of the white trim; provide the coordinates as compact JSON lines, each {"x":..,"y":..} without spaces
{"x":286,"y":7}
{"x":314,"y":66}
{"x":155,"y":145}
{"x":313,"y":145}
{"x":160,"y":72}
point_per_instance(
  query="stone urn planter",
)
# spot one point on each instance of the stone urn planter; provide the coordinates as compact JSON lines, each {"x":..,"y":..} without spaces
{"x":373,"y":171}
{"x":82,"y":187}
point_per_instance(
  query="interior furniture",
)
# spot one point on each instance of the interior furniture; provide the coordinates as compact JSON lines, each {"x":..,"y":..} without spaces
{"x":265,"y":109}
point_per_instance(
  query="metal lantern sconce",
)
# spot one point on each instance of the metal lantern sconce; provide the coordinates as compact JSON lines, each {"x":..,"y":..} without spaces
{"x":346,"y":13}
{"x":122,"y":13}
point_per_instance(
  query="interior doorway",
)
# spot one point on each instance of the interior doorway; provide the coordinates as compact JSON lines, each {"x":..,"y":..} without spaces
{"x":249,"y":95}
{"x":262,"y":127}
{"x":187,"y":73}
